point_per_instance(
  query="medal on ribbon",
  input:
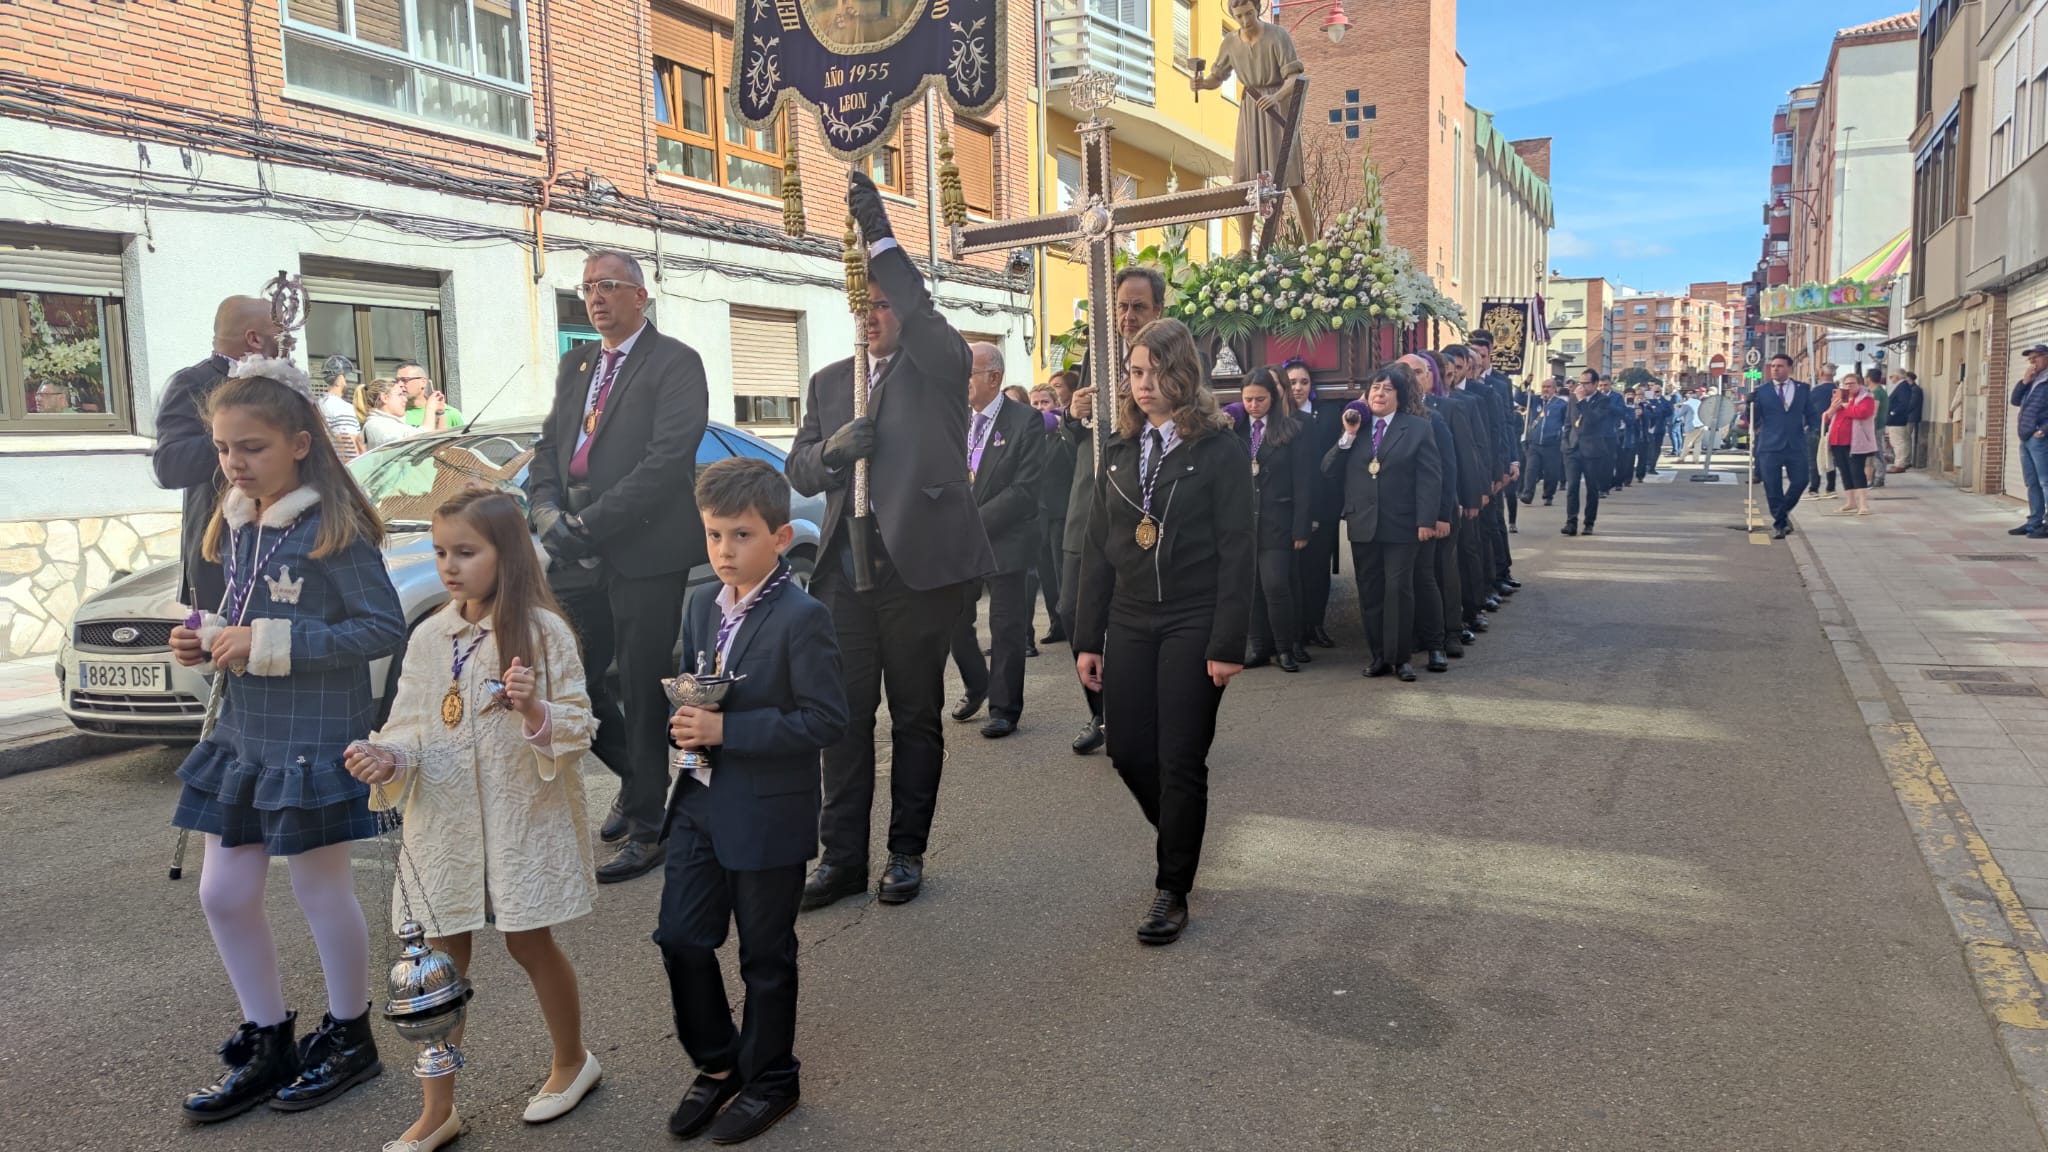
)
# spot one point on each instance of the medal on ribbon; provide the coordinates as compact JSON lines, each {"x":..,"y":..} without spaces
{"x":451,"y":704}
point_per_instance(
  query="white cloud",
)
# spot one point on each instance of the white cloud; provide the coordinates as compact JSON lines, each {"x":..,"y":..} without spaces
{"x":1570,"y":246}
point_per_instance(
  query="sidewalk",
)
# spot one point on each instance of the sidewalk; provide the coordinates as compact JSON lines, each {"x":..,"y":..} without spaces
{"x":33,"y":732}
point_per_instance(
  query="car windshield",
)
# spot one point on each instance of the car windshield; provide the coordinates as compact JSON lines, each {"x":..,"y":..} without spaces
{"x":406,"y":481}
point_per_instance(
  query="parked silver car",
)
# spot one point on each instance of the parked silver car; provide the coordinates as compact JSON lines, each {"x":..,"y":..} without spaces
{"x":115,"y":672}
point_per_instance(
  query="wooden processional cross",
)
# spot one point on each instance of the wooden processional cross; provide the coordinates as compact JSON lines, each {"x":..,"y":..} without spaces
{"x":1097,"y":222}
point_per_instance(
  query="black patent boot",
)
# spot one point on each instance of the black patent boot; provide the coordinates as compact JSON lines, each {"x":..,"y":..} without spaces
{"x":339,"y":1055}
{"x":259,"y":1060}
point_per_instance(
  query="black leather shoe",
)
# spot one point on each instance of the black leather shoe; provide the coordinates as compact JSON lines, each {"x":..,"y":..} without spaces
{"x":1030,"y":649}
{"x":1285,"y":660}
{"x":1529,"y":499}
{"x":1501,"y":591}
{"x":1090,"y":737}
{"x":701,"y":1103}
{"x":1481,"y":624}
{"x":1053,"y":637}
{"x":902,"y":880}
{"x":1439,"y":660}
{"x":1491,"y":603}
{"x":1404,"y":672}
{"x":969,"y":705}
{"x":997,"y":727}
{"x":1454,"y":650}
{"x":1510,"y":584}
{"x":1587,"y":530}
{"x":1257,"y":658}
{"x":1546,"y":501}
{"x":637,"y":858}
{"x":1301,"y":655}
{"x":750,"y":1114}
{"x":1571,"y":528}
{"x":1466,"y":637}
{"x":1165,"y":920}
{"x":2038,"y":534}
{"x":259,"y":1060}
{"x":1778,"y":533}
{"x":1514,"y":529}
{"x":832,"y":883}
{"x":2022,"y":530}
{"x":1377,"y":669}
{"x":1320,"y":637}
{"x":614,"y":829}
{"x":339,"y":1055}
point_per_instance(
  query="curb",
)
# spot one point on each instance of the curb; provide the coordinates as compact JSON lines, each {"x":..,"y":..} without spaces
{"x":57,"y":746}
{"x":2003,"y":948}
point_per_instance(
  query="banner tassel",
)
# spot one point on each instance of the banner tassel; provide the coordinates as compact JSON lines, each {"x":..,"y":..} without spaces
{"x":856,"y":260}
{"x":792,"y":191}
{"x":952,"y":204}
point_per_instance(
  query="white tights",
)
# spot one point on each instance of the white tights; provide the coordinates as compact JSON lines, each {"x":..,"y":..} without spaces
{"x":231,"y":892}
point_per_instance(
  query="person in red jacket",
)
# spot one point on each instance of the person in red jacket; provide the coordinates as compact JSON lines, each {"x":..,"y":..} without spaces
{"x":1852,"y":441}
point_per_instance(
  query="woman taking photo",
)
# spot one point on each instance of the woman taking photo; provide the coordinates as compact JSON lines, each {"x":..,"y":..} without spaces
{"x":382,"y":405}
{"x":1852,"y":441}
{"x":1165,"y":598}
{"x":1283,"y":473}
{"x":1393,"y":487}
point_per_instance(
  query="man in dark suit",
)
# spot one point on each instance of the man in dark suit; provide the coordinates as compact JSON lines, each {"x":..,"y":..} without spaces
{"x":1590,"y":428}
{"x":1500,"y":579}
{"x":1055,"y":484}
{"x":608,"y":492}
{"x":1323,"y":424}
{"x":1781,"y":425}
{"x":1005,"y":458}
{"x":1393,"y":485}
{"x":927,"y":549}
{"x":1543,"y":443}
{"x":1820,"y":396}
{"x":184,"y":456}
{"x":1475,"y":545}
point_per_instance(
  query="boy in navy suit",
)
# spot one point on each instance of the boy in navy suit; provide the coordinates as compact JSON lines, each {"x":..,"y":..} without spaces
{"x":741,"y":832}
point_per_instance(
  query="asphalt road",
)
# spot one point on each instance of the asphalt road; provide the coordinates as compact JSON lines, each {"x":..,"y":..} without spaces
{"x":1629,"y":877}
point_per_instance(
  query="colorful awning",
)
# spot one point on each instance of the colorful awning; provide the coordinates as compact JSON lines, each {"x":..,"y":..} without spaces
{"x":1861,"y":300}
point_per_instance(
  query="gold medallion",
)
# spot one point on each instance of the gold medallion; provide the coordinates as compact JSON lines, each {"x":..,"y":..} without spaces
{"x":451,"y":705}
{"x":590,"y":421}
{"x":1255,"y":467}
{"x":1148,"y":533}
{"x":1373,"y":469}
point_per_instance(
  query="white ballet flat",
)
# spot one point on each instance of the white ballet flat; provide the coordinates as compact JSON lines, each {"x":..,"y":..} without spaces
{"x":439,"y":1138}
{"x":554,"y":1105}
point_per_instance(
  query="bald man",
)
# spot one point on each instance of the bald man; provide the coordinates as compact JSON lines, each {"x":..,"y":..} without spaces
{"x":184,"y":456}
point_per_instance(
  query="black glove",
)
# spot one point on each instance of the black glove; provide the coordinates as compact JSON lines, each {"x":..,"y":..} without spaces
{"x":563,"y":542}
{"x":855,"y":440}
{"x":543,"y":517}
{"x":866,"y":205}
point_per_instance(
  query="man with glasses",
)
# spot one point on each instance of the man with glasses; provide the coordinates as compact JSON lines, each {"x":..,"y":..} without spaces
{"x":610,"y":491}
{"x":425,"y":407}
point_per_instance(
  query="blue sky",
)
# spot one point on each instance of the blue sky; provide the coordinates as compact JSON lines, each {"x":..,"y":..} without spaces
{"x":1662,"y":117}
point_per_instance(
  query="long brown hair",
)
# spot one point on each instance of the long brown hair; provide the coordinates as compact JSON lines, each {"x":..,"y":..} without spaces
{"x":370,"y":395}
{"x":522,"y":589}
{"x":1178,"y":368}
{"x":345,"y":513}
{"x":1281,"y":422}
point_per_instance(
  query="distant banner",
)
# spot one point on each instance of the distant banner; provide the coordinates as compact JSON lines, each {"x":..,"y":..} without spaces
{"x":1508,"y":322}
{"x":860,"y":63}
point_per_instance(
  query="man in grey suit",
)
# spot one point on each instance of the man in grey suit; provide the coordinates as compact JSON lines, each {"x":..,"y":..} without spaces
{"x":930,"y":547}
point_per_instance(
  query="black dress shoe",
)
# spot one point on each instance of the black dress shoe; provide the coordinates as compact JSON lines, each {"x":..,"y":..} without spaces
{"x":637,"y":858}
{"x":2022,"y":530}
{"x":1514,"y":529}
{"x":1320,"y":637}
{"x":1491,"y":603}
{"x":997,"y":727}
{"x":339,"y":1055}
{"x":1510,"y":584}
{"x":1481,"y":624}
{"x":1257,"y":657}
{"x":1466,"y":637}
{"x":1030,"y":649}
{"x":614,"y":829}
{"x":1301,"y":655}
{"x":1053,"y":637}
{"x":1404,"y":672}
{"x":1439,"y":660}
{"x":1454,"y":650}
{"x":1165,"y":920}
{"x":259,"y":1060}
{"x":1587,"y":530}
{"x":1377,"y":669}
{"x":1285,"y":660}
{"x":969,"y":705}
{"x":1090,"y":737}
{"x":1546,"y":501}
{"x":701,"y":1103}
{"x":2038,"y":534}
{"x":1777,"y":533}
{"x":1571,"y":528}
{"x":902,"y":880}
{"x":751,"y":1113}
{"x":832,"y":883}
{"x":1529,"y":499}
{"x":1505,"y":590}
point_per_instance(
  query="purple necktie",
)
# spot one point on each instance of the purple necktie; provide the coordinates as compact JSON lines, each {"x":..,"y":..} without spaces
{"x":1258,"y":436}
{"x":579,"y":464}
{"x":1379,"y":429}
{"x":976,"y":442}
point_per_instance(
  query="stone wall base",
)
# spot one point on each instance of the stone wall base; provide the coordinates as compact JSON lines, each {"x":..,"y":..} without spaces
{"x":47,"y":567}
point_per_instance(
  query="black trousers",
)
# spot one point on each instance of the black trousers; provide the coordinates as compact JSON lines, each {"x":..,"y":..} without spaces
{"x":1542,"y":463}
{"x":1312,"y":566}
{"x":1386,"y":597}
{"x":1471,"y":567}
{"x":1624,"y":467}
{"x":1783,"y":475}
{"x":1161,"y":721}
{"x":1275,"y":623}
{"x":1494,"y":518}
{"x":1646,"y":461}
{"x":1009,"y":631}
{"x":635,"y":620}
{"x":1590,"y":470}
{"x":1449,"y":579}
{"x":1046,"y":575}
{"x":893,"y":638}
{"x":1428,"y":620}
{"x":699,"y":899}
{"x":1813,"y":469}
{"x":1070,"y":592}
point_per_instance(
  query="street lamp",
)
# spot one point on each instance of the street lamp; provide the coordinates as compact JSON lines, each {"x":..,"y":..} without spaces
{"x":1780,"y":209}
{"x":1335,"y":23}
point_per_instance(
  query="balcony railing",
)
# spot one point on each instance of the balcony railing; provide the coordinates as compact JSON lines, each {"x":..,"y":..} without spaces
{"x":1077,"y":40}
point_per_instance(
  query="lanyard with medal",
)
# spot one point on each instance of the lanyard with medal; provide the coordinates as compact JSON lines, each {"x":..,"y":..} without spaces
{"x":1258,"y":438}
{"x":451,"y":704}
{"x":1379,"y":430}
{"x":1148,"y":528}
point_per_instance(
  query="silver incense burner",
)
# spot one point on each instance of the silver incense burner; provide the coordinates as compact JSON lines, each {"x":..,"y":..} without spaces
{"x":428,"y":999}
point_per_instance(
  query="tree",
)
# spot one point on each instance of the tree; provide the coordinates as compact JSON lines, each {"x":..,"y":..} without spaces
{"x":1635,"y":378}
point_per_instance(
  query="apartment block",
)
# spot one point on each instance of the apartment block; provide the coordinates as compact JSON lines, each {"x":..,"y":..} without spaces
{"x":1582,"y":324}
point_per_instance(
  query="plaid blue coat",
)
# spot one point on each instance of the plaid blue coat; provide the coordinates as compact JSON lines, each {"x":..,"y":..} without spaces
{"x":271,"y":772}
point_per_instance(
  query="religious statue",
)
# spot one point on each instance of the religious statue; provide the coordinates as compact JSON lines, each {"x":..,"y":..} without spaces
{"x":1263,"y":58}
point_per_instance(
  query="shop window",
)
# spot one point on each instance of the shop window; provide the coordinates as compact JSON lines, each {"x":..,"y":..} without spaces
{"x":63,"y":356}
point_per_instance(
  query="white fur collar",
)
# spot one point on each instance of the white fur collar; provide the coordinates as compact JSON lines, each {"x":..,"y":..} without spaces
{"x":236,"y":507}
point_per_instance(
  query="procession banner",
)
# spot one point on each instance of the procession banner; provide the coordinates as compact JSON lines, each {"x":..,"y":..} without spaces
{"x":1508,"y":321}
{"x":860,"y":63}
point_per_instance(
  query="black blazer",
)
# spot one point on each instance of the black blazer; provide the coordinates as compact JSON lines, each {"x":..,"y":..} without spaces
{"x":1285,"y":486}
{"x":1324,"y":425}
{"x":1468,"y":438}
{"x":762,"y":805}
{"x":1389,"y":508}
{"x":918,"y":490}
{"x":1056,"y":478}
{"x":184,"y":458}
{"x":641,"y":516}
{"x":1590,"y":424}
{"x":1447,"y":464}
{"x":1006,"y":486}
{"x":1202,"y":502}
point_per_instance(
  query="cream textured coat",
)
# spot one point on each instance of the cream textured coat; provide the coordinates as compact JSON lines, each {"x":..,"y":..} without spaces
{"x":491,"y":819}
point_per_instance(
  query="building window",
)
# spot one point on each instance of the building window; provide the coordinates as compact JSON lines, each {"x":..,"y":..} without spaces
{"x":1574,"y":347}
{"x":457,"y":63}
{"x":2008,"y":100}
{"x":1640,"y":346}
{"x":1133,"y":14}
{"x":63,"y":357}
{"x":1663,"y":325}
{"x":1641,"y":326}
{"x":1067,"y":174}
{"x":378,"y":316}
{"x":698,"y":133}
{"x":1663,"y":345}
{"x":1183,"y":33}
{"x":1642,"y":309}
{"x":974,"y":150}
{"x":1457,"y":201}
{"x":2037,"y":115}
{"x":767,"y":368}
{"x":885,"y":166}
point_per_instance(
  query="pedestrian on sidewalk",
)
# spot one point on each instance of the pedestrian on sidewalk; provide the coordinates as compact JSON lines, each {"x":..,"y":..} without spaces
{"x":1782,"y":421}
{"x":1902,"y":420}
{"x":1852,"y":441}
{"x":1820,"y":400}
{"x":2030,"y":396}
{"x":308,"y":605}
{"x":480,"y":757}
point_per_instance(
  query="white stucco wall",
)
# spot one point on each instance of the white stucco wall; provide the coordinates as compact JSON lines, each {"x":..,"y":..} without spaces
{"x":1874,"y":117}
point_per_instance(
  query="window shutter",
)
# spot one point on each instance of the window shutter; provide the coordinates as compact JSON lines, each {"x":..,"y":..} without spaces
{"x":684,"y":40}
{"x":340,"y":282}
{"x":765,"y":358}
{"x":60,"y":260}
{"x":974,"y":150}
